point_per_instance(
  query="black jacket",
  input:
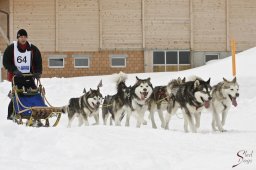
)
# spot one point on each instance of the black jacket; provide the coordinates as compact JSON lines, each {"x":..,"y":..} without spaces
{"x":36,"y":59}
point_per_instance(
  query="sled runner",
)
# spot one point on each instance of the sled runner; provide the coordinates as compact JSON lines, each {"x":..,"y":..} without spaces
{"x":29,"y":103}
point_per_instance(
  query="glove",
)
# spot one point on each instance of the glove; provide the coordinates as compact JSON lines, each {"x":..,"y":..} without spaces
{"x":17,"y":73}
{"x":37,"y":75}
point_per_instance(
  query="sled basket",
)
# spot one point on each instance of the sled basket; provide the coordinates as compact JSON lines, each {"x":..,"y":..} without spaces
{"x":30,"y":104}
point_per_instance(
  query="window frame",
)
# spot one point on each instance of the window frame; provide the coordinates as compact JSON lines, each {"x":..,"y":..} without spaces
{"x":78,"y":56}
{"x":56,"y":57}
{"x":178,"y":58}
{"x":211,"y":54}
{"x":118,"y":56}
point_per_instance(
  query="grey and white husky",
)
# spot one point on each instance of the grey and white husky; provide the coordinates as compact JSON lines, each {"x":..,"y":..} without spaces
{"x":162,"y":100}
{"x":223,"y":95}
{"x":193,"y":97}
{"x":117,"y":105}
{"x":85,"y":106}
{"x":140,"y":98}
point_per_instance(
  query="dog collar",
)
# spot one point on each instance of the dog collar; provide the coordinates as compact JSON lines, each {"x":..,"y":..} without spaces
{"x":197,"y":104}
{"x":89,"y":107}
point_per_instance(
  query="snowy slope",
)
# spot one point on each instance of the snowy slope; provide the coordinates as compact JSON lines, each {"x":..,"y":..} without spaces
{"x":105,"y":147}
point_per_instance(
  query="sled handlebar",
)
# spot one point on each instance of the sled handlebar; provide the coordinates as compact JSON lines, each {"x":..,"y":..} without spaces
{"x":25,"y":75}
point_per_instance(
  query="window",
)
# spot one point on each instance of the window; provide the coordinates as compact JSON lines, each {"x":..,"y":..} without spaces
{"x":171,"y":57}
{"x":81,"y":61}
{"x":159,"y":57}
{"x":171,"y":60}
{"x":56,"y":61}
{"x":209,"y":57}
{"x":184,"y":57}
{"x":118,"y":60}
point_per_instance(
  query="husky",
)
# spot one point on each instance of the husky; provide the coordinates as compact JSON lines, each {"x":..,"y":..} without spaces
{"x":193,"y":97}
{"x":173,"y":105}
{"x":140,"y":99}
{"x":223,"y":95}
{"x":116,"y":105}
{"x":85,"y":106}
{"x":162,"y":99}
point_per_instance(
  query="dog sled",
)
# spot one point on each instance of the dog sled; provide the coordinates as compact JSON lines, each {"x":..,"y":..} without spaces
{"x":29,"y":103}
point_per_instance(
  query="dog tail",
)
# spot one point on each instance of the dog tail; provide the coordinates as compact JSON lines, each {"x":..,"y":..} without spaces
{"x":194,"y":78}
{"x":64,"y":109}
{"x":120,"y":77}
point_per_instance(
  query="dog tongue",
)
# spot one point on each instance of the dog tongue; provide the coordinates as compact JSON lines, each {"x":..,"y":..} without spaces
{"x":142,"y":97}
{"x":206,"y":104}
{"x":234,"y":101}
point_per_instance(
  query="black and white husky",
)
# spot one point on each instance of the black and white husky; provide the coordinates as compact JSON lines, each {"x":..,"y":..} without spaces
{"x":162,"y":100}
{"x":223,"y":95}
{"x":193,"y":97}
{"x":85,"y":106}
{"x":140,"y":100}
{"x":118,"y":104}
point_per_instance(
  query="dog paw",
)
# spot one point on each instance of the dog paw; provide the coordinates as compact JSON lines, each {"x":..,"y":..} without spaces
{"x":154,"y":127}
{"x":138,"y":126}
{"x":145,"y":122}
{"x":223,"y":130}
{"x":194,"y":130}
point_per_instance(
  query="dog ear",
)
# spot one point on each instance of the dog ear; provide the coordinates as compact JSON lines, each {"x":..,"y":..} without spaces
{"x":179,"y":80}
{"x":208,"y":81}
{"x":84,"y":90}
{"x":98,"y":90}
{"x":234,"y":80}
{"x":225,"y":79}
{"x":100,"y":84}
{"x":90,"y":91}
{"x":148,"y":79}
{"x":184,"y":80}
{"x":137,"y":78}
{"x":196,"y":84}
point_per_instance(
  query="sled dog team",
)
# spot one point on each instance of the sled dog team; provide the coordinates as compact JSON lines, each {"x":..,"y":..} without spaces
{"x":191,"y":96}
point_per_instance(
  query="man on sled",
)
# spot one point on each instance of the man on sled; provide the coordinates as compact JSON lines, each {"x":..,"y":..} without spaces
{"x":21,"y":58}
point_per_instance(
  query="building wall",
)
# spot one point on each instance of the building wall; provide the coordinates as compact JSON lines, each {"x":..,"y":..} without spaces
{"x":38,"y":18}
{"x":209,"y":33}
{"x":120,"y":24}
{"x":99,"y":64}
{"x":4,"y":6}
{"x":242,"y":23}
{"x":77,"y":24}
{"x":167,"y":24}
{"x":100,"y":27}
{"x":198,"y":57}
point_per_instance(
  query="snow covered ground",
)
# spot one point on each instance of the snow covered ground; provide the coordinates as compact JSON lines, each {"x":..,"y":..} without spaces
{"x":105,"y":147}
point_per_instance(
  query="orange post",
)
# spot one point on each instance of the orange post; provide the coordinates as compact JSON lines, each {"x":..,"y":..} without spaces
{"x":233,"y":47}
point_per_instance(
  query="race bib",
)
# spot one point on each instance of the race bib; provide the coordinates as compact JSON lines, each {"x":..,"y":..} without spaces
{"x":22,"y":60}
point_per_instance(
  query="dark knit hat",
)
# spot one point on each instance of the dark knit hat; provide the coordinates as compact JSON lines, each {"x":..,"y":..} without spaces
{"x":22,"y":32}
